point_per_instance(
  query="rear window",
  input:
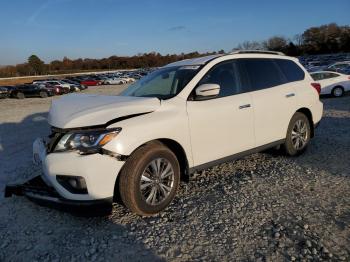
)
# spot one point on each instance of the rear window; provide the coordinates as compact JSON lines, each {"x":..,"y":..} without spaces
{"x":291,"y":70}
{"x":261,"y":73}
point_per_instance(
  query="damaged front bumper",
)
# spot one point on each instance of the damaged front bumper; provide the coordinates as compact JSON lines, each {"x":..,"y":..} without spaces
{"x":57,"y":186}
{"x":39,"y":192}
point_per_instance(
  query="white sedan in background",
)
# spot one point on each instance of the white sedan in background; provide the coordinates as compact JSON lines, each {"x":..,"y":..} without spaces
{"x":332,"y":83}
{"x":115,"y":81}
{"x":128,"y":79}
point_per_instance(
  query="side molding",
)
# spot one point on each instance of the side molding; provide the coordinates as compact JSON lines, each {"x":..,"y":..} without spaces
{"x":235,"y":156}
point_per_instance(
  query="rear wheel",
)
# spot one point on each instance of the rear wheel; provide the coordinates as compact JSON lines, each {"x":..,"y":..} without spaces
{"x":298,"y":134}
{"x":338,"y":91}
{"x":43,"y":94}
{"x":149,"y":180}
{"x":20,"y":95}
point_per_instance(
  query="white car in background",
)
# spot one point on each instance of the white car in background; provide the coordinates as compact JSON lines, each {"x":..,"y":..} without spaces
{"x":339,"y":66}
{"x":182,"y":118}
{"x":332,"y":83}
{"x":128,"y":79}
{"x":115,"y":81}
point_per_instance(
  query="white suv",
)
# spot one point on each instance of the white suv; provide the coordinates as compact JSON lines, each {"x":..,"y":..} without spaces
{"x":182,"y":118}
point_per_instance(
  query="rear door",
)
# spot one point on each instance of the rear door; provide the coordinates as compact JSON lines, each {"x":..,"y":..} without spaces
{"x":224,"y":125}
{"x":273,"y":97}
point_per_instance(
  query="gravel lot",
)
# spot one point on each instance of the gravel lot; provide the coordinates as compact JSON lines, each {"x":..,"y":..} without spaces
{"x":265,"y":207}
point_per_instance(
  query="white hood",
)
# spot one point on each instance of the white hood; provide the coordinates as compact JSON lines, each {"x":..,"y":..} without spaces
{"x":84,"y":110}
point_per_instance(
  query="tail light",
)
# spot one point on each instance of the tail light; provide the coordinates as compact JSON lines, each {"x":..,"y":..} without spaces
{"x":317,"y":86}
{"x":349,"y":77}
{"x":57,"y":90}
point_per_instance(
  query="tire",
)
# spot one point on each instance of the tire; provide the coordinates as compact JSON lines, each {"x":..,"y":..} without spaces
{"x":138,"y":172}
{"x":338,"y":91}
{"x":20,"y":95}
{"x":43,"y":94}
{"x":294,"y":134}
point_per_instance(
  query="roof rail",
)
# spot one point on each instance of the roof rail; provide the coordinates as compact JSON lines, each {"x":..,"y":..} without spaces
{"x":257,"y":52}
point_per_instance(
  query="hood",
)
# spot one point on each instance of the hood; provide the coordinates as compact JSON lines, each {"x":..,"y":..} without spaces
{"x":72,"y":111}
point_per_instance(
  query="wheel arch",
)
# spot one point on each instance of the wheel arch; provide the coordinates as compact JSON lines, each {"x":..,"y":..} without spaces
{"x":338,"y":86}
{"x":308,"y":114}
{"x":179,"y":152}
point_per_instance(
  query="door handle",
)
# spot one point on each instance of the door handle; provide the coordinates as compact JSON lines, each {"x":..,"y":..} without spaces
{"x":244,"y":106}
{"x":290,"y":95}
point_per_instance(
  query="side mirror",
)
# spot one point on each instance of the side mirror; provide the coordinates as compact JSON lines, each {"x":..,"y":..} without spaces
{"x":206,"y":91}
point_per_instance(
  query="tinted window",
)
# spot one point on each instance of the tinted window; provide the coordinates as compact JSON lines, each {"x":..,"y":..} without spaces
{"x":291,"y":70}
{"x":261,"y":73}
{"x":317,"y":76}
{"x":330,"y":75}
{"x":225,"y":75}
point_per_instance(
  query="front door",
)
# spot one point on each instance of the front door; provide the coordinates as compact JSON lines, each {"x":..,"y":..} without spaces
{"x":224,"y":125}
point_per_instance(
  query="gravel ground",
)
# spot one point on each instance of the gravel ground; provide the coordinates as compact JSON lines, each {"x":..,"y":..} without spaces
{"x":265,"y":207}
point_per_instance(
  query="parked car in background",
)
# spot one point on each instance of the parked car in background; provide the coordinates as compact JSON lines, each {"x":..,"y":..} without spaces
{"x":136,"y":76}
{"x":332,"y":83}
{"x":341,"y":67}
{"x":316,"y":66}
{"x":57,"y":89}
{"x":73,"y":87}
{"x":59,"y":83}
{"x":90,"y":82}
{"x":76,"y":83}
{"x":30,"y":90}
{"x":131,"y":146}
{"x":115,"y":81}
{"x":128,"y":79}
{"x":4,"y":92}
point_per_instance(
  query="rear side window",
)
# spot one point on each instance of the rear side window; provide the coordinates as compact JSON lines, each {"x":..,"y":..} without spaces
{"x":261,"y":73}
{"x":291,"y":70}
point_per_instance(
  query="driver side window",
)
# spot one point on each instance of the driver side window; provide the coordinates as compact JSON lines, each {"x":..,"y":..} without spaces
{"x":225,"y":75}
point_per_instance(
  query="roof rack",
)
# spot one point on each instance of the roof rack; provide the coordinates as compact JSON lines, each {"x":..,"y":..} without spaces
{"x":257,"y":52}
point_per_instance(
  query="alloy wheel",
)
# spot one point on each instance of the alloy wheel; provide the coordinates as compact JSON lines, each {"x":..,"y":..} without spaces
{"x":338,"y":92}
{"x":299,"y":134}
{"x":157,"y":181}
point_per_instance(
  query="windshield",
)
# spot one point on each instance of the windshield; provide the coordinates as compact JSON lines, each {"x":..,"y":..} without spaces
{"x":164,"y":83}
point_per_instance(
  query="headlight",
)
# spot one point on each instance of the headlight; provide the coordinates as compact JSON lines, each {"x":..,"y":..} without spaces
{"x":86,"y":142}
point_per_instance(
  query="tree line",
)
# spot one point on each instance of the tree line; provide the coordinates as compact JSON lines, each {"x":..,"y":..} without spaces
{"x":324,"y":39}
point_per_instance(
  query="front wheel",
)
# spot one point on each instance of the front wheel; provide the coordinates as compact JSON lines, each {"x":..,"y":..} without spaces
{"x":149,"y":180}
{"x":298,"y":134}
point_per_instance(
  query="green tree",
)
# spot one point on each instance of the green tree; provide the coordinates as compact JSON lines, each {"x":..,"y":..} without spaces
{"x":36,"y":65}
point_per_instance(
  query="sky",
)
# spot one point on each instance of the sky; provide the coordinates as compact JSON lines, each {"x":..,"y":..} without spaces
{"x":53,"y":29}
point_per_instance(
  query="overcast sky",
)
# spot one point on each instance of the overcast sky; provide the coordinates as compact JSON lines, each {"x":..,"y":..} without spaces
{"x":53,"y":29}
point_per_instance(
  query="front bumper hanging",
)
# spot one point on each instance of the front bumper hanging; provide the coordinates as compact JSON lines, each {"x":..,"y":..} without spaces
{"x":39,"y":192}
